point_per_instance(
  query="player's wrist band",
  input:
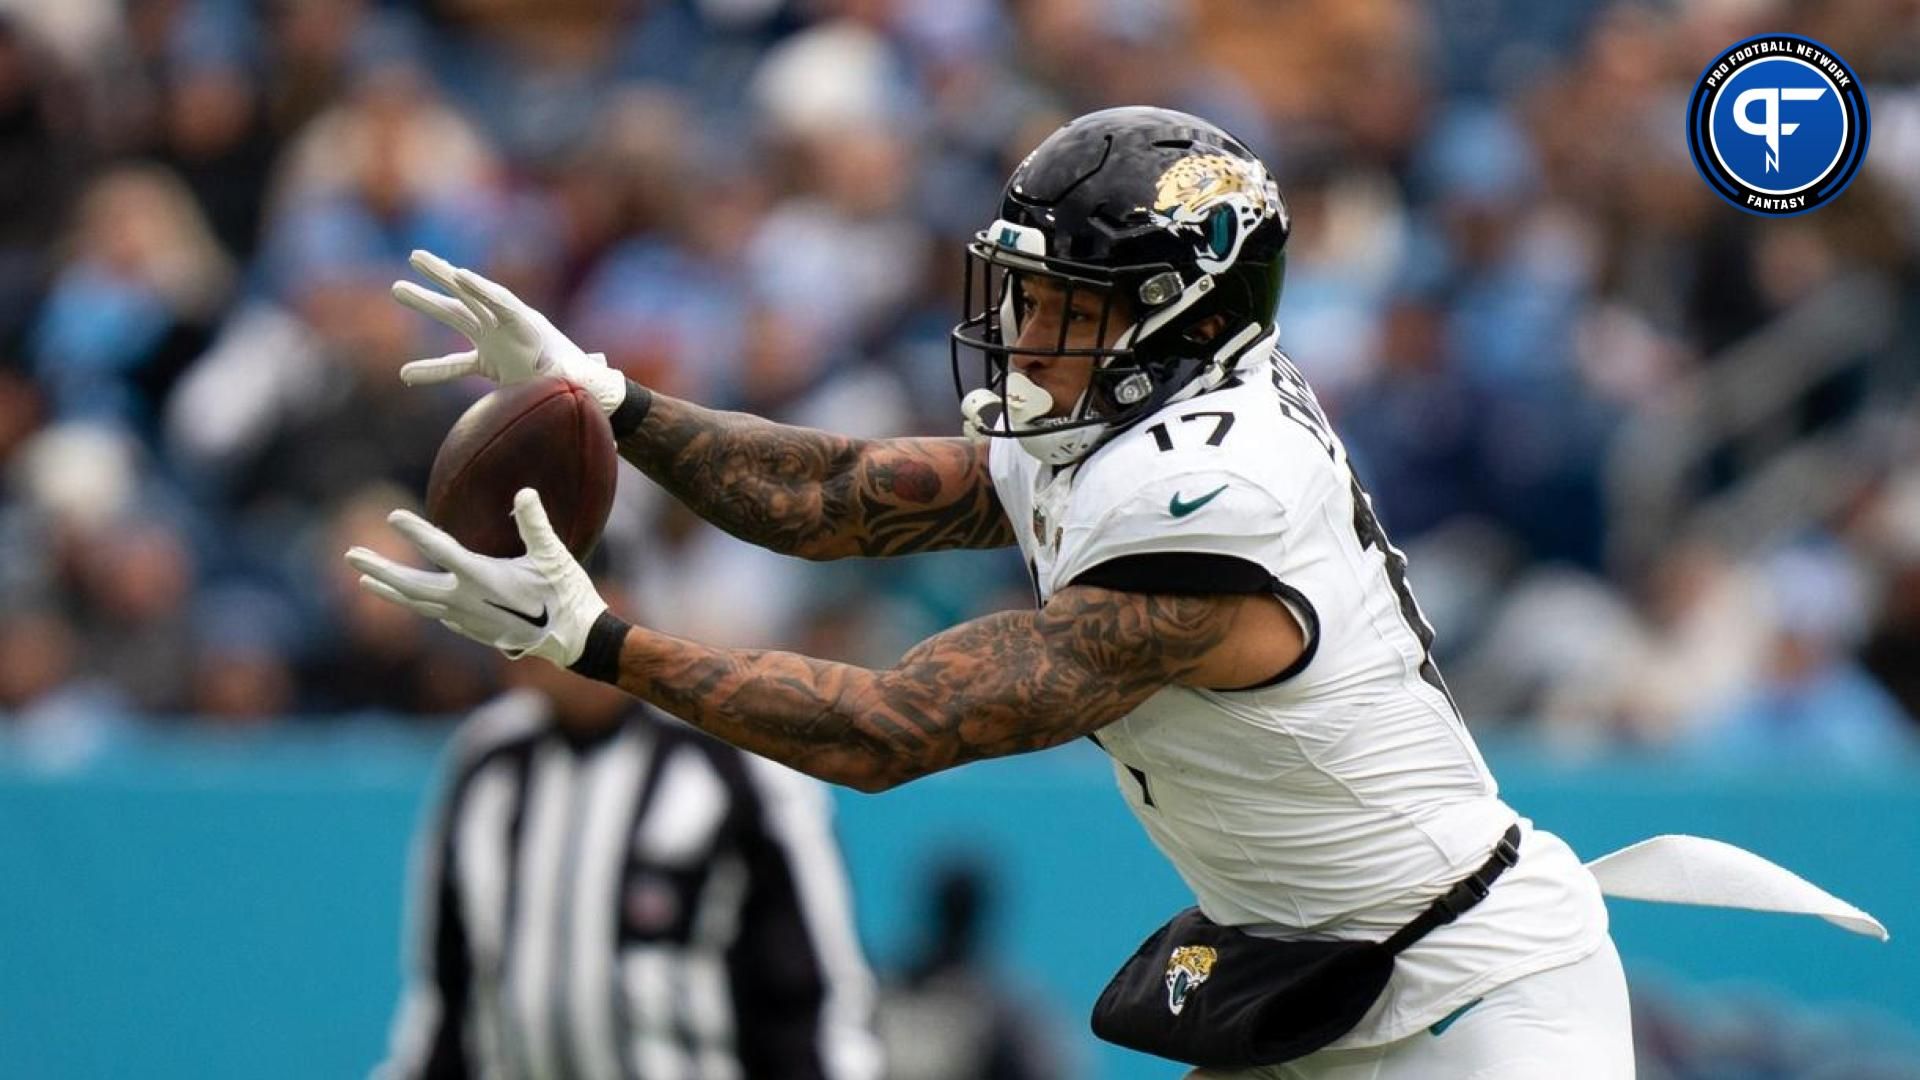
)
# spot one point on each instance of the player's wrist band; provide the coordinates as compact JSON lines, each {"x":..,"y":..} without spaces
{"x":600,"y":658}
{"x":633,"y":409}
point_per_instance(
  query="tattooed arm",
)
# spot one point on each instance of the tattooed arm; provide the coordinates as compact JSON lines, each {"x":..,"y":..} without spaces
{"x":1004,"y":684}
{"x":816,"y":495}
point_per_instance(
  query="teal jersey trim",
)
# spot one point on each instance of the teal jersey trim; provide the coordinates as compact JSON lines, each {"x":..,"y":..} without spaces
{"x":1445,"y":1022}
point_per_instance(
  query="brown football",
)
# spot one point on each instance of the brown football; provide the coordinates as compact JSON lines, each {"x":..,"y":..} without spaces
{"x":546,"y":434}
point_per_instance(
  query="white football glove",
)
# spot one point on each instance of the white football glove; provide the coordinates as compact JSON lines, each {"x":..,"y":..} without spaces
{"x":511,"y":341}
{"x":539,"y":604}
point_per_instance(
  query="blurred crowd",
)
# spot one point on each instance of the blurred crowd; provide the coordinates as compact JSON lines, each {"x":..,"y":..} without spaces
{"x":1656,"y":462}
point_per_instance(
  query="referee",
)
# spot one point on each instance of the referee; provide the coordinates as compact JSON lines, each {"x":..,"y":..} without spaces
{"x":603,"y":894}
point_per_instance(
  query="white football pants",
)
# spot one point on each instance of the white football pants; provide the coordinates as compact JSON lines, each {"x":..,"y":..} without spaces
{"x":1567,"y":1023}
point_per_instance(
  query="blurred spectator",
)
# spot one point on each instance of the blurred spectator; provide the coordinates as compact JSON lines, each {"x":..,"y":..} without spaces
{"x":311,"y":45}
{"x":1641,"y":673}
{"x":142,"y":286}
{"x":1708,"y":618}
{"x":1891,"y":651}
{"x":1415,"y":426}
{"x":388,"y":169}
{"x":948,"y":1015}
{"x":135,"y":579}
{"x":218,"y":141}
{"x":47,"y":706}
{"x":694,"y":580}
{"x":1813,"y":702}
{"x":838,"y":254}
{"x":20,"y":413}
{"x":91,"y":588}
{"x":532,"y":71}
{"x":68,"y":485}
{"x":668,"y":301}
{"x":1555,"y":653}
{"x":1346,"y":268}
{"x":300,"y":405}
{"x":244,"y":643}
{"x":40,"y":156}
{"x":39,"y":654}
{"x":359,"y":426}
{"x":367,"y":658}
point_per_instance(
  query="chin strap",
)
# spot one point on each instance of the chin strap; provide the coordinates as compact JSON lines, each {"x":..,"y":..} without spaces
{"x":1029,"y":407}
{"x":1229,"y":358}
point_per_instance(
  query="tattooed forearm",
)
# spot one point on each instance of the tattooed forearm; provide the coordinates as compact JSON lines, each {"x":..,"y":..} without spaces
{"x":818,"y":495}
{"x":1005,"y":684}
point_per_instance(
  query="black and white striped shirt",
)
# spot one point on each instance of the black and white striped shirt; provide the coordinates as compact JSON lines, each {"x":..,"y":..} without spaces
{"x":645,"y":904}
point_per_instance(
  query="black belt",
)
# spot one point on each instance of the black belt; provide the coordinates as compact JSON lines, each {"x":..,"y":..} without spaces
{"x":1462,"y":897}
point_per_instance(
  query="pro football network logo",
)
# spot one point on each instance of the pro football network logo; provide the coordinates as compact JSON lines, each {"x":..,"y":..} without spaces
{"x":1778,"y":125}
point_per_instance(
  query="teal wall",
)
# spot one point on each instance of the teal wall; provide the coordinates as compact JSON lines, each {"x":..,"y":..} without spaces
{"x":230,"y":908}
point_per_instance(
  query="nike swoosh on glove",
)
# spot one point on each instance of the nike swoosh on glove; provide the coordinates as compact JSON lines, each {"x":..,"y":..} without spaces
{"x":538,"y":604}
{"x":511,"y":341}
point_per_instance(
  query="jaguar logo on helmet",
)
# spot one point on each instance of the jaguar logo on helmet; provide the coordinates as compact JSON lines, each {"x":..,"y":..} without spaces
{"x":1187,"y":968}
{"x":1217,"y":200}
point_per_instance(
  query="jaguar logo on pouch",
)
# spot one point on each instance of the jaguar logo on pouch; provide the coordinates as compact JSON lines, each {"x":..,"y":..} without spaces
{"x":1778,"y":125}
{"x":1187,"y":968}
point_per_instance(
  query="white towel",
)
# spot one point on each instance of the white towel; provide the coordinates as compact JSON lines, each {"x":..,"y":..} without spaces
{"x":1677,"y":869}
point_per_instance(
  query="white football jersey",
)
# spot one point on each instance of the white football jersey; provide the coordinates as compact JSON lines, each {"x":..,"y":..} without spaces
{"x":1344,"y":798}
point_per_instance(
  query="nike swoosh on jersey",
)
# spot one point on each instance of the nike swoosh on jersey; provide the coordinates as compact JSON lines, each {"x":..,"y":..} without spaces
{"x":1179,"y":508}
{"x":530,"y":620}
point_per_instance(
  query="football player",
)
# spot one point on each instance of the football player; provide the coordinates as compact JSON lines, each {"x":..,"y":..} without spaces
{"x":1218,"y":607}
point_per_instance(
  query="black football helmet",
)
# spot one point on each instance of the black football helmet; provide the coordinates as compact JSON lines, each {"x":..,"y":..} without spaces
{"x":1156,"y":206}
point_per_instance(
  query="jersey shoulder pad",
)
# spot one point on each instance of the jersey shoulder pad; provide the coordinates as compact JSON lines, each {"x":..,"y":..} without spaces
{"x":1206,"y":508}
